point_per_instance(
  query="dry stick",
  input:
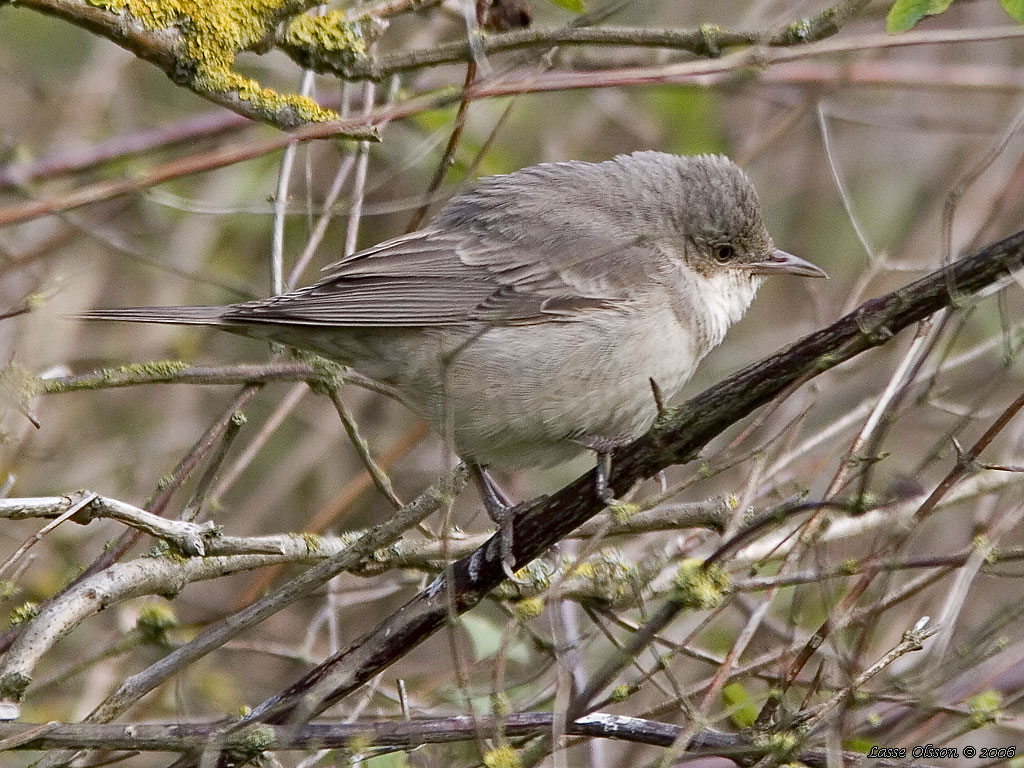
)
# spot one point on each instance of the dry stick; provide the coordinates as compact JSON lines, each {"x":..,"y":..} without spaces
{"x":320,"y":228}
{"x":844,"y":571}
{"x":65,"y":161}
{"x":178,"y":476}
{"x":173,"y":372}
{"x":965,"y":461}
{"x":878,"y":424}
{"x":448,"y":158}
{"x":35,"y":538}
{"x":900,"y":74}
{"x":387,"y":8}
{"x":186,"y":166}
{"x":379,"y":476}
{"x":387,"y":734}
{"x":674,"y":439}
{"x":710,"y":72}
{"x":188,"y":538}
{"x":913,"y":640}
{"x":202,"y":489}
{"x":359,"y":182}
{"x":901,"y":378}
{"x":705,"y":41}
{"x":875,"y":427}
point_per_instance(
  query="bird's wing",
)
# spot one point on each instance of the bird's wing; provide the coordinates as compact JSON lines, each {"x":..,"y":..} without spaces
{"x":506,"y":263}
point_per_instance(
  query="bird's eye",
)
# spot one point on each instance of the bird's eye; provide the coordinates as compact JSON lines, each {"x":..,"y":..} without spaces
{"x":724,"y":254}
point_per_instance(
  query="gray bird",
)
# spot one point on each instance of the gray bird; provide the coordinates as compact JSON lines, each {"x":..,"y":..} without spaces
{"x":529,"y":320}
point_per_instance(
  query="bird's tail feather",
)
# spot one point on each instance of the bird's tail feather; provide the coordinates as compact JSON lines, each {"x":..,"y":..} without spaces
{"x":170,"y":315}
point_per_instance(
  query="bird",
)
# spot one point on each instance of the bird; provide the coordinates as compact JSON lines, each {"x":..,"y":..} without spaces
{"x":529,"y":320}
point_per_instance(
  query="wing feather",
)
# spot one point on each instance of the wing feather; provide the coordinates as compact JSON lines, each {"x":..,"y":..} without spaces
{"x":529,"y":247}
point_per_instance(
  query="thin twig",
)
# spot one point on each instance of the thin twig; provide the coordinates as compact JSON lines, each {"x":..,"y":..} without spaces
{"x":380,"y":477}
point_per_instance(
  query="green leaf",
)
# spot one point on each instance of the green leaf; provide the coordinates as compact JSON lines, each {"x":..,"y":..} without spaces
{"x":742,"y":710}
{"x":576,"y":6}
{"x":1014,"y":7}
{"x":904,"y":14}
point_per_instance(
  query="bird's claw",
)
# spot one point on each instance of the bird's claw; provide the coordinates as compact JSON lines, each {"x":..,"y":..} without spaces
{"x":601,"y":477}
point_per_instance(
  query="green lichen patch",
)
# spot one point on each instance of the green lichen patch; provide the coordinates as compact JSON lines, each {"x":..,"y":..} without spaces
{"x":154,"y":621}
{"x":607,"y":577}
{"x":13,"y":685}
{"x":619,"y":693}
{"x":700,"y":587}
{"x":132,"y":373}
{"x":24,"y":613}
{"x":256,"y":740}
{"x":329,"y":376}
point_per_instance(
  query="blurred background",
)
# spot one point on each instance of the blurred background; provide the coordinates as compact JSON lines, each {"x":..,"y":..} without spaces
{"x":858,"y":156}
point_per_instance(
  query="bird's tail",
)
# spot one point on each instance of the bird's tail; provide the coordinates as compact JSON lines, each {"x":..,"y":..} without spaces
{"x":169,"y":315}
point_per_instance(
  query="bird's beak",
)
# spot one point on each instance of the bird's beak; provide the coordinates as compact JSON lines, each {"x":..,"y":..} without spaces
{"x":782,"y":263}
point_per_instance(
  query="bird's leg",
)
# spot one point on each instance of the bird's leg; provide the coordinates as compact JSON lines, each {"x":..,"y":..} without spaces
{"x":496,"y":500}
{"x":659,"y":404}
{"x":604,"y":473}
{"x":500,"y":510}
{"x":603,"y":447}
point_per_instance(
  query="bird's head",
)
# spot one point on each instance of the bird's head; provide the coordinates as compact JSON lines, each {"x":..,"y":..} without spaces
{"x":720,"y":218}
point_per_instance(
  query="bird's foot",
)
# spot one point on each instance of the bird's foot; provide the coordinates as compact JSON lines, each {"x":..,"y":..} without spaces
{"x":603,"y":447}
{"x":501,"y":511}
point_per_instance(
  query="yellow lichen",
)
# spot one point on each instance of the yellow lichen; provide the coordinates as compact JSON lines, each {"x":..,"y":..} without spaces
{"x":331,"y":32}
{"x":211,"y":34}
{"x":623,"y":512}
{"x":984,"y":707}
{"x":607,"y":576}
{"x":619,"y":693}
{"x":529,"y":608}
{"x":502,"y":757}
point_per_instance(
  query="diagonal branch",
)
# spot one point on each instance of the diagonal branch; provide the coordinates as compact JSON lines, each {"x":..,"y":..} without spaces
{"x":195,"y":44}
{"x":675,"y":438}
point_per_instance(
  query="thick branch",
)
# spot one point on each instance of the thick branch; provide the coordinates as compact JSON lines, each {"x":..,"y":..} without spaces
{"x":675,"y":439}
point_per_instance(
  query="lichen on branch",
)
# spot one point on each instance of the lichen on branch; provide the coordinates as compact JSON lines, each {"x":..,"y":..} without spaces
{"x":202,"y":39}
